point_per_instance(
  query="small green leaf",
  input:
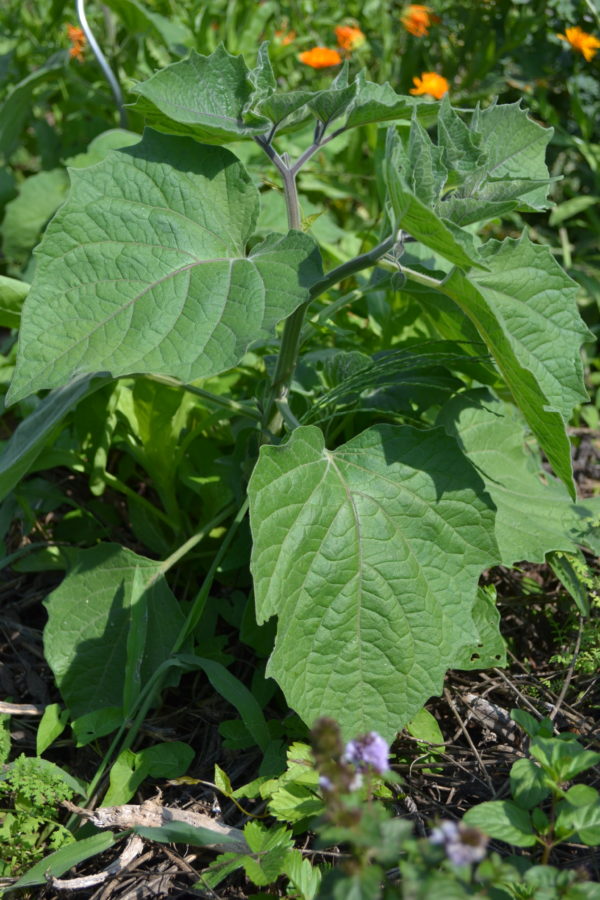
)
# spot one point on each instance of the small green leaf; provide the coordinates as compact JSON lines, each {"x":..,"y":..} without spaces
{"x":459,"y":144}
{"x":222,"y":781}
{"x":167,"y":760}
{"x":261,"y":77}
{"x":177,"y":265}
{"x":417,"y":218}
{"x":424,"y":726}
{"x":330,"y":104}
{"x":426,"y":172}
{"x":380,"y":103}
{"x":12,"y":295}
{"x":52,"y":724}
{"x":202,"y":96}
{"x":261,"y":839}
{"x":267,"y":868}
{"x":581,"y":795}
{"x":530,"y":725}
{"x":223,"y":866}
{"x":304,"y":877}
{"x":562,"y":759}
{"x":378,"y":506}
{"x":96,"y":724}
{"x":580,"y":817}
{"x":527,"y":783}
{"x":64,"y":859}
{"x":503,"y":820}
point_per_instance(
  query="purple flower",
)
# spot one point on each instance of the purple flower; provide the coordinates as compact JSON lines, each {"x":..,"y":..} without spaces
{"x":463,"y":845}
{"x":368,"y":750}
{"x":325,"y":783}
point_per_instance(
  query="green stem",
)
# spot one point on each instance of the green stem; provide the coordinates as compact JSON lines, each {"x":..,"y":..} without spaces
{"x":364,"y":261}
{"x":420,"y":278}
{"x":291,"y":338}
{"x":191,"y":542}
{"x":118,"y":485}
{"x":199,"y":603}
{"x":223,"y":402}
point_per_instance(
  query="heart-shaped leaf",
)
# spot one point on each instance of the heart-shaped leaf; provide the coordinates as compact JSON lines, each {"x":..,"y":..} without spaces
{"x":145,"y":270}
{"x":369,"y":555}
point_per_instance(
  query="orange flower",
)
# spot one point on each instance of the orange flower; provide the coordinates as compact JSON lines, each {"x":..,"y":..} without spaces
{"x":418,"y":19}
{"x":77,"y":38}
{"x":285,"y":38}
{"x":587,"y":44}
{"x":320,"y":58}
{"x":430,"y":83}
{"x":349,"y":38}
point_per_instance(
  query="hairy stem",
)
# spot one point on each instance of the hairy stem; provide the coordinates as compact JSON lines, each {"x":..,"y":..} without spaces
{"x":291,"y":338}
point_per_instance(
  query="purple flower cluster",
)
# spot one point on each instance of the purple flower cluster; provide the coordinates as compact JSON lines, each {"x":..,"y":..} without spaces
{"x":463,"y":845}
{"x":369,"y":750}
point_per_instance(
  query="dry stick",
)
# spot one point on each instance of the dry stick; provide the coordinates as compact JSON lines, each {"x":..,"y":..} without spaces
{"x":519,"y":694}
{"x":452,"y":706}
{"x":569,"y":676}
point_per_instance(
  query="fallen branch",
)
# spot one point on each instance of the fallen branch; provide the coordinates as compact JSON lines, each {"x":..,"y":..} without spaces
{"x":152,"y":815}
{"x":133,"y":848}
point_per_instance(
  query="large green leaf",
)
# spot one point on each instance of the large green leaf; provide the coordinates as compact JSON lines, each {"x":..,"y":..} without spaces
{"x":535,"y":303}
{"x":113,"y":139}
{"x":520,"y":152}
{"x":90,"y":616}
{"x":205,"y":96}
{"x":534,"y":511}
{"x":369,"y":556}
{"x":144,"y":269}
{"x":499,"y":307}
